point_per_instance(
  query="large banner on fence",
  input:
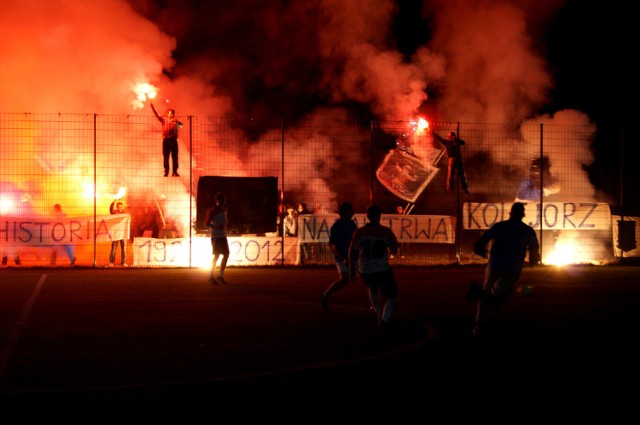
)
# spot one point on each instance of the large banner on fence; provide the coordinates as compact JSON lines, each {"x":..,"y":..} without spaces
{"x":407,"y":228}
{"x":244,"y":251}
{"x":263,"y":251}
{"x":554,"y":215}
{"x":41,"y":231}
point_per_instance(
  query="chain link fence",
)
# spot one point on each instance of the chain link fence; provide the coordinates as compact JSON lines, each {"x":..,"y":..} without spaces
{"x":85,"y":162}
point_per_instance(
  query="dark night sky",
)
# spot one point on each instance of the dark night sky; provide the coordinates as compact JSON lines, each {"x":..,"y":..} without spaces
{"x":591,"y":53}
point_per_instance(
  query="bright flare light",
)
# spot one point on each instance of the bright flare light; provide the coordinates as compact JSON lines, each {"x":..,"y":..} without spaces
{"x":569,"y":251}
{"x":143,"y":91}
{"x":562,"y":255}
{"x":201,"y":253}
{"x":87,"y":190}
{"x":121,"y":192}
{"x":420,"y":125}
{"x":6,"y":205}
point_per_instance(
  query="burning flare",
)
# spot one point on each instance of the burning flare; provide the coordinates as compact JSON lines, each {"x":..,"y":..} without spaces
{"x":143,"y":91}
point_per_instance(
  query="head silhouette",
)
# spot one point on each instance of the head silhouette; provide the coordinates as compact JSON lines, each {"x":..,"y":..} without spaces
{"x":346,"y":210}
{"x":374,"y":213}
{"x":517,"y":210}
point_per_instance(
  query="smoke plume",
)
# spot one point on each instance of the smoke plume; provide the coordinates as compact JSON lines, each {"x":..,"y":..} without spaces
{"x":269,"y":60}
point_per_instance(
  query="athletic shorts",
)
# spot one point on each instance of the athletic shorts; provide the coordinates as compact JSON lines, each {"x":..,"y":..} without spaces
{"x":384,"y":281}
{"x":499,"y":285}
{"x":343,"y":267}
{"x":220,"y":246}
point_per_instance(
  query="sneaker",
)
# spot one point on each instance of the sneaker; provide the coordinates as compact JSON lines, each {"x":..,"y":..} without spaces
{"x":111,"y":265}
{"x":221,"y":279}
{"x":475,"y":291}
{"x":325,"y":302}
{"x":175,"y":174}
{"x":476,"y":331}
{"x":466,"y":191}
{"x":166,"y":173}
{"x":125,"y":265}
{"x":212,"y":280}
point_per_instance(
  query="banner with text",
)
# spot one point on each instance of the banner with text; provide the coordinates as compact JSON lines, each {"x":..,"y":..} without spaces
{"x":35,"y":231}
{"x":244,"y":251}
{"x":407,"y":228}
{"x":555,"y":215}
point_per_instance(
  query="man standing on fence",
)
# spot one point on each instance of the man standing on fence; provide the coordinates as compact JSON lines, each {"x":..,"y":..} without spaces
{"x":170,"y":127}
{"x":453,"y":145}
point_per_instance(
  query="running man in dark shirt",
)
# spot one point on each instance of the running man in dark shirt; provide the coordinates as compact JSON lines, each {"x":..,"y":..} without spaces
{"x":512,"y":239}
{"x":340,"y":235}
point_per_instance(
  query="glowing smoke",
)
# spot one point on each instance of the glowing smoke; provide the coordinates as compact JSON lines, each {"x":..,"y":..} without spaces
{"x":269,"y":60}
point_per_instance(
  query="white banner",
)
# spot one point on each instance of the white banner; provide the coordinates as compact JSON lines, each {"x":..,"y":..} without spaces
{"x":555,"y":215}
{"x":407,"y":228}
{"x":35,"y":231}
{"x":244,"y":251}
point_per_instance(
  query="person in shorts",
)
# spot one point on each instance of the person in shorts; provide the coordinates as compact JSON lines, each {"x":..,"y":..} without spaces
{"x":369,"y":256}
{"x":216,"y":220}
{"x":340,"y":235}
{"x":512,"y":239}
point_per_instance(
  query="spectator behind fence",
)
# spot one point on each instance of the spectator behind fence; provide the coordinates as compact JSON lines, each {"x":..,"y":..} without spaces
{"x":305,"y":247}
{"x":69,"y":249}
{"x":118,"y":208}
{"x":9,"y":249}
{"x":302,"y":208}
{"x":291,"y":222}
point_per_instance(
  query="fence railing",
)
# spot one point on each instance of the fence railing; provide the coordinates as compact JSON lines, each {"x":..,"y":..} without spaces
{"x":84,"y":162}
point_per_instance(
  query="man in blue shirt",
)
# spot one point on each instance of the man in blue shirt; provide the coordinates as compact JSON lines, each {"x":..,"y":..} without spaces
{"x":340,"y":236}
{"x":512,"y":239}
